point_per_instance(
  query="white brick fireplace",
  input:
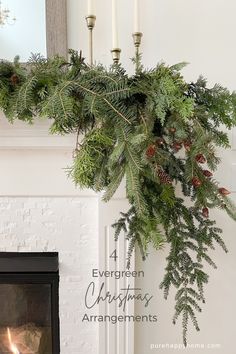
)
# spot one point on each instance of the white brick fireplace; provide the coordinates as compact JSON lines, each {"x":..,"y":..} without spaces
{"x":41,"y":211}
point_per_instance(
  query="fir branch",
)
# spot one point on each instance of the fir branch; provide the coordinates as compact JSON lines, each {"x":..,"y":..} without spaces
{"x":155,"y":130}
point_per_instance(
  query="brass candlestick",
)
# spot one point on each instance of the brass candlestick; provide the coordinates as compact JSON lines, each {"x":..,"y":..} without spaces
{"x":116,"y":55}
{"x":137,"y":38}
{"x":91,"y":20}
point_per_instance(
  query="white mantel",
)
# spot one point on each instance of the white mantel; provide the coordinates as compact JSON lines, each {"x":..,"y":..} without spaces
{"x":21,"y":135}
{"x":41,"y":210}
{"x":34,"y":161}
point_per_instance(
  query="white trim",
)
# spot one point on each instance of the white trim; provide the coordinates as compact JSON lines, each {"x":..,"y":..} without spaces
{"x":114,"y":338}
{"x":22,"y":142}
{"x":21,"y":135}
{"x":39,"y":172}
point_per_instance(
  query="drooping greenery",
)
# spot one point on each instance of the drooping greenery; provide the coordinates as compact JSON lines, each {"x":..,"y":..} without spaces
{"x":156,"y":131}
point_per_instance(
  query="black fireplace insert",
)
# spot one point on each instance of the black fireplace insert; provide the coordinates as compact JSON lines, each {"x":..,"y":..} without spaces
{"x":29,"y":303}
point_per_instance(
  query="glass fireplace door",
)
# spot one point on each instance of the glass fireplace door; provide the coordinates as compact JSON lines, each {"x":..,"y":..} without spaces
{"x":25,"y":318}
{"x":29,"y":318}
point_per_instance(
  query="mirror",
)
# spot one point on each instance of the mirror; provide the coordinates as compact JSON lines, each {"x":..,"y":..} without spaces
{"x":40,"y":27}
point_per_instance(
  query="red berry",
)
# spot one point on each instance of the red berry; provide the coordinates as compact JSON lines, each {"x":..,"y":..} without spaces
{"x":151,"y":150}
{"x":223,"y":191}
{"x":196,"y":182}
{"x":200,"y":158}
{"x":207,"y":173}
{"x":205,"y":212}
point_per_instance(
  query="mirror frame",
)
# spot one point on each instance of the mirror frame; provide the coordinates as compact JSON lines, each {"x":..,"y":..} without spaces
{"x":56,"y":27}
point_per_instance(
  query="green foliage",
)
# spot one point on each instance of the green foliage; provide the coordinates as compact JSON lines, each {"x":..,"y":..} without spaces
{"x":88,"y":169}
{"x":191,"y":236}
{"x":155,"y":130}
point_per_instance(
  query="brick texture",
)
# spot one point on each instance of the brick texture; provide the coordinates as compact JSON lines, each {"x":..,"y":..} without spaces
{"x":68,"y":225}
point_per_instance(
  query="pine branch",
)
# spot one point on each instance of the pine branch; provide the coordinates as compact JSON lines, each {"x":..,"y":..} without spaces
{"x":155,"y":130}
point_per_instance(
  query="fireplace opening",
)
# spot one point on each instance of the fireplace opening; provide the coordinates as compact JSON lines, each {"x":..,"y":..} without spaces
{"x":29,"y":306}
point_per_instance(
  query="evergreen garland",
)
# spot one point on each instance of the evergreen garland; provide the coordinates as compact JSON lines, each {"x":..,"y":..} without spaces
{"x":153,"y":129}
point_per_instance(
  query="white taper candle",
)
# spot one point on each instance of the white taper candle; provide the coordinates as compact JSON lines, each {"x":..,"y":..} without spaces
{"x":136,"y":15}
{"x":91,"y":7}
{"x":115,"y":41}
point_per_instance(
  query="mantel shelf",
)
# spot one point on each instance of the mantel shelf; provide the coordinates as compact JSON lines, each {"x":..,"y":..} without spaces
{"x":21,"y":135}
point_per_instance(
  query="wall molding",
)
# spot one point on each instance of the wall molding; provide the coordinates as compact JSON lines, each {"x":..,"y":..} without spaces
{"x":114,"y":338}
{"x":21,"y":135}
{"x":47,"y":142}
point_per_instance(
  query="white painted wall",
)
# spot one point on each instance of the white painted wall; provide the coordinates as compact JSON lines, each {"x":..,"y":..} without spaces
{"x":28,"y":34}
{"x":198,"y":32}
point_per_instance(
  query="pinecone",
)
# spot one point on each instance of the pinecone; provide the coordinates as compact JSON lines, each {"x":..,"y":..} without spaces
{"x":187,"y":145}
{"x":196,"y":182}
{"x":177,"y":146}
{"x":14,"y":79}
{"x":151,"y":150}
{"x":207,"y":173}
{"x":200,"y":158}
{"x":205,"y":212}
{"x":172,"y":130}
{"x":160,"y":142}
{"x":163,"y":176}
{"x":224,"y":191}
